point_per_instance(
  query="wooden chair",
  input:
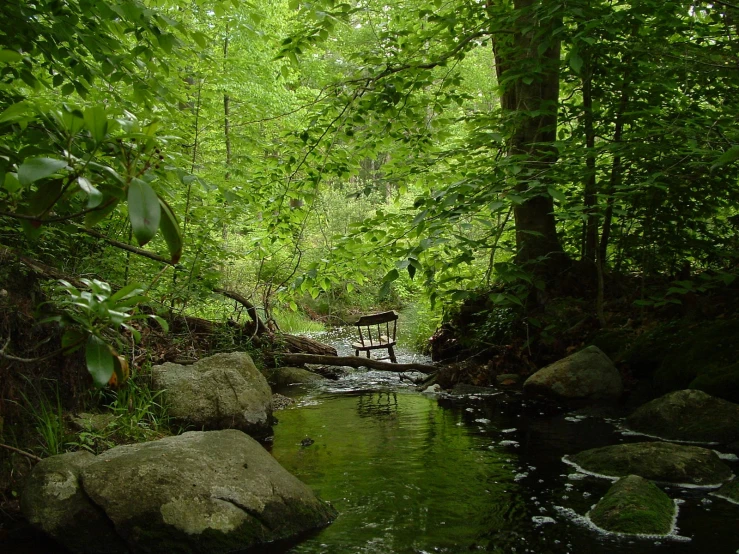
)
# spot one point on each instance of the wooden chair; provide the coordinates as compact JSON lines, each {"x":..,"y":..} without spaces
{"x":377,"y":332}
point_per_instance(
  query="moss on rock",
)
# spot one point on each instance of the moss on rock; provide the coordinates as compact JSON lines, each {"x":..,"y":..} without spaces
{"x":659,"y":461}
{"x":688,"y":415}
{"x":730,"y":491}
{"x":635,"y":506}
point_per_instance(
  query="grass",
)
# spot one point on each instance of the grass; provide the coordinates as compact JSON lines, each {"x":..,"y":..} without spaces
{"x":297,"y":322}
{"x":47,"y":417}
{"x":417,"y":324}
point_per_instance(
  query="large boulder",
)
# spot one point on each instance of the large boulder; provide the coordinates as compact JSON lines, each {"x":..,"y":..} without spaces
{"x":658,"y":461}
{"x":584,"y":377}
{"x":225,"y":391}
{"x":216,"y":491}
{"x":634,"y":506}
{"x":688,"y":415}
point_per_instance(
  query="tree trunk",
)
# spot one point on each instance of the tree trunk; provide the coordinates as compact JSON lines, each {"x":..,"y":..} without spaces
{"x":529,"y":78}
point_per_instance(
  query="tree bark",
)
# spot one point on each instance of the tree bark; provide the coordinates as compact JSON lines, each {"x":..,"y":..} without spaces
{"x":530,"y":94}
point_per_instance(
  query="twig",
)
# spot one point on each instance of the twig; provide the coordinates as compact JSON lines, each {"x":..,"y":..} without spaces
{"x":23,"y":452}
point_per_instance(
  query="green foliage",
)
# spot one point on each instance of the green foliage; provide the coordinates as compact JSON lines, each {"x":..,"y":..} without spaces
{"x":47,"y":418}
{"x":95,"y":317}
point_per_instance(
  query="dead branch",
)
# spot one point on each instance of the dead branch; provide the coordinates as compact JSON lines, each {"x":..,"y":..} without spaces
{"x":353,"y":361}
{"x":23,"y":452}
{"x":250,"y":308}
{"x":127,"y":247}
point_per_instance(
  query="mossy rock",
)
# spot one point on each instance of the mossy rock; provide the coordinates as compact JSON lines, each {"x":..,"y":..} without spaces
{"x":674,"y":355}
{"x":658,"y":461}
{"x":699,"y":350}
{"x":722,"y":382}
{"x":730,"y":491}
{"x":285,"y":376}
{"x":634,"y":506}
{"x":688,"y":415}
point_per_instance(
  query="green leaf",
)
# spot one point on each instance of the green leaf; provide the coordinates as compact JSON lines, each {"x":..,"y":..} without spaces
{"x":556,"y":194}
{"x":15,"y":111}
{"x":8,"y":56}
{"x":391,"y":276}
{"x":575,"y":62}
{"x":96,"y":122}
{"x":72,"y":340}
{"x":731,"y":155}
{"x":11,"y":183}
{"x":92,"y":218}
{"x":99,"y":361}
{"x":171,"y":231}
{"x":95,"y":197}
{"x":34,"y":169}
{"x":144,"y":210}
{"x":132,"y":289}
{"x":45,"y":197}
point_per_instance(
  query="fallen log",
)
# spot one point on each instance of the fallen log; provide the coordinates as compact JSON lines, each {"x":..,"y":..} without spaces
{"x":303,"y":345}
{"x":352,"y":361}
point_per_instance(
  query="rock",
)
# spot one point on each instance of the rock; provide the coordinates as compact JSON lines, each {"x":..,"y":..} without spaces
{"x":463,"y":389}
{"x":220,"y":392}
{"x":730,"y":491}
{"x":508,"y":379}
{"x":216,"y":491}
{"x":634,"y":506}
{"x":284,"y":376}
{"x":688,"y":415}
{"x":658,"y":461}
{"x":586,"y":376}
{"x":433,"y":389}
{"x":54,"y":502}
{"x":92,"y":422}
{"x":280,"y":402}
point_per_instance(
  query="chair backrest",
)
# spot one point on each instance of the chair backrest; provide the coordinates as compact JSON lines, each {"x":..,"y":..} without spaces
{"x":376,"y":326}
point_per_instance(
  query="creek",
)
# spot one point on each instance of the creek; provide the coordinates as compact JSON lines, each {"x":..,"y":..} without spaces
{"x":418,"y":473}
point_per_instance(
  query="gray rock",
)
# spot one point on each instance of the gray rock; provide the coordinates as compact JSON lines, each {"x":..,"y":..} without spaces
{"x":284,"y":376}
{"x":658,"y":461}
{"x":688,"y":415}
{"x":54,"y":501}
{"x":584,"y":377}
{"x":219,"y":392}
{"x":634,"y":506}
{"x":206,"y":492}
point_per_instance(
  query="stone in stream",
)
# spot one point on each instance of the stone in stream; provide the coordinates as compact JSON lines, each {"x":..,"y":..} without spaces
{"x":584,"y":377}
{"x":209,"y":492}
{"x":285,"y":376}
{"x":225,"y":391}
{"x":688,"y":415}
{"x":658,"y":461}
{"x":730,"y":491}
{"x":634,"y":506}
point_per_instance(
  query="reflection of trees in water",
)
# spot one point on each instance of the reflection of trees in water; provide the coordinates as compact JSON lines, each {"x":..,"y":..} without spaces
{"x":378,"y":404}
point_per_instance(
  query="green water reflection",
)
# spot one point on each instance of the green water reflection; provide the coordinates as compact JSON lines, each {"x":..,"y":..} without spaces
{"x":403,"y":474}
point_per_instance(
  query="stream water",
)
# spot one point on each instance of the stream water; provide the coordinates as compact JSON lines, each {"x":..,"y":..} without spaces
{"x":417,"y":473}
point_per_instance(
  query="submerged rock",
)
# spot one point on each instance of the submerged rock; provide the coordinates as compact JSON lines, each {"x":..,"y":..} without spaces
{"x":730,"y":491}
{"x":658,"y":461}
{"x":688,"y":415}
{"x":284,"y":376}
{"x":225,"y":391}
{"x":634,"y":506}
{"x":216,"y":491}
{"x":586,"y":376}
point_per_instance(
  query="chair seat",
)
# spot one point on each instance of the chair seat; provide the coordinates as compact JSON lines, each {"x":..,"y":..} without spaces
{"x":366,"y":344}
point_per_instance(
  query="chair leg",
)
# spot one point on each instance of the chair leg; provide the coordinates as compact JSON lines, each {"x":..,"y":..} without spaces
{"x":392,"y":354}
{"x":356,"y":352}
{"x":368,"y":353}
